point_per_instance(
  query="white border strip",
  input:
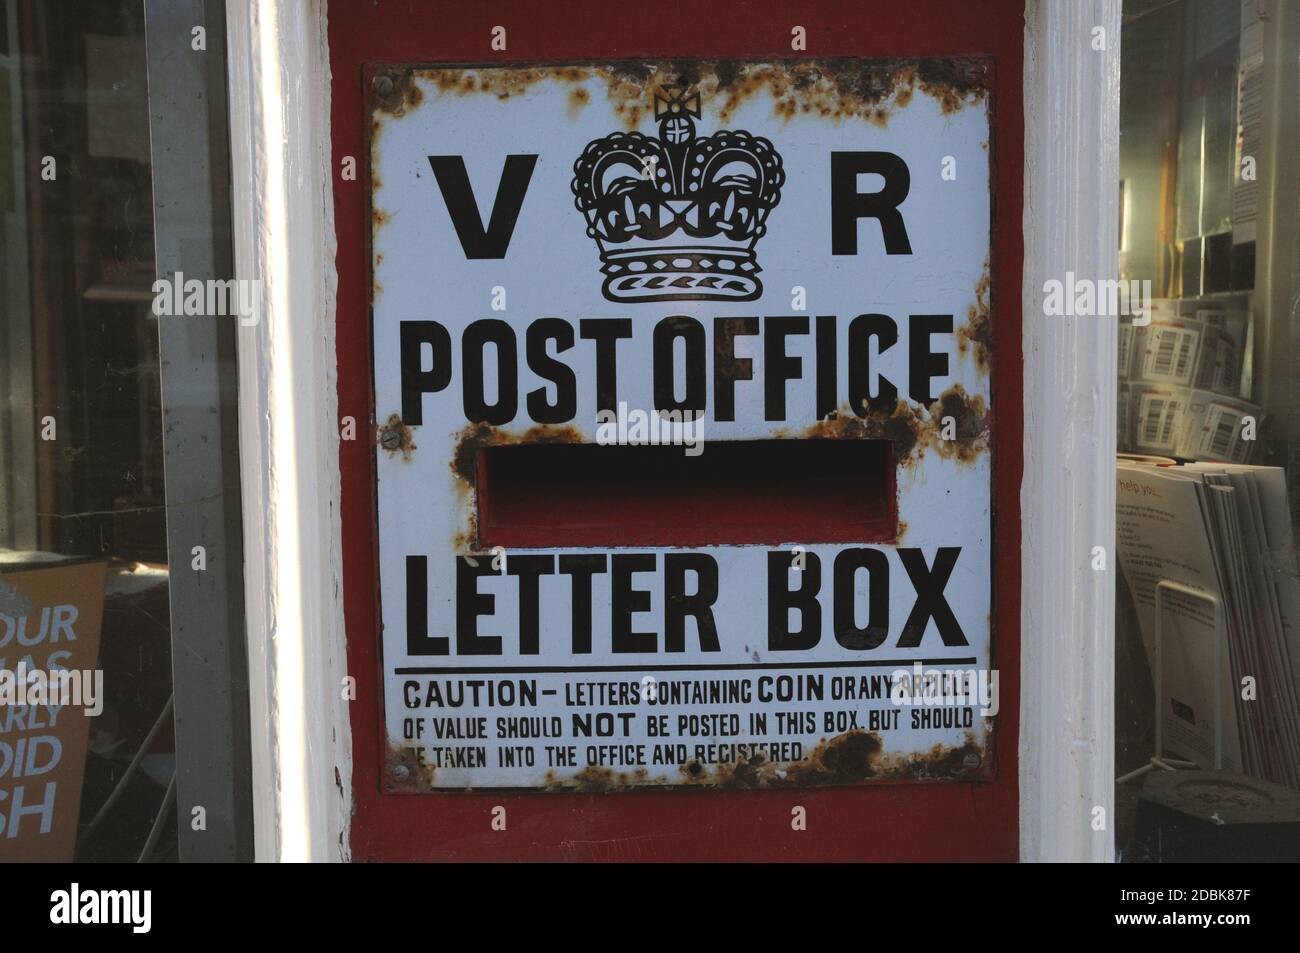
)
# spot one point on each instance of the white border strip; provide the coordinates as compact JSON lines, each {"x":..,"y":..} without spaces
{"x":1067,"y":699}
{"x":288,"y":429}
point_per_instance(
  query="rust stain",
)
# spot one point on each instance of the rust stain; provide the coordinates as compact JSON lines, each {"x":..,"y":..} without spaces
{"x":393,"y":92}
{"x":901,"y":425}
{"x":474,"y":437}
{"x":835,"y":89}
{"x":747,"y":773}
{"x":939,"y":763}
{"x":969,"y":423}
{"x":852,"y":756}
{"x":869,"y":90}
{"x":976,"y":335}
{"x":403,"y":770}
{"x":952,"y":81}
{"x":578,"y":97}
{"x":466,"y":541}
{"x":502,"y":83}
{"x":754,"y":772}
{"x":396,"y":437}
{"x":593,"y":778}
{"x":912,"y":429}
{"x":464,"y":464}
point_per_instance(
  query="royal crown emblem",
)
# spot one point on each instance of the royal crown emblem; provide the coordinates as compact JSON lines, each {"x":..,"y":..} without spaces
{"x":677,"y":218}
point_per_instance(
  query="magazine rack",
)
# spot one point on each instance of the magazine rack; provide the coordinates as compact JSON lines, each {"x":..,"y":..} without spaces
{"x":1159,"y":760}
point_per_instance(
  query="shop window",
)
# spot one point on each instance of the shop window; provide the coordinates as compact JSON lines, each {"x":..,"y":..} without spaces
{"x":1208,"y":611}
{"x":86,"y":576}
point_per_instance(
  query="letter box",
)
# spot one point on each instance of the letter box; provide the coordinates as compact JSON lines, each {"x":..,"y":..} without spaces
{"x":688,"y":528}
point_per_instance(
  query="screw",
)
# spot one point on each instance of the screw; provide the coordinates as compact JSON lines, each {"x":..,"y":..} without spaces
{"x":391,"y":439}
{"x":401,"y":772}
{"x":383,"y":84}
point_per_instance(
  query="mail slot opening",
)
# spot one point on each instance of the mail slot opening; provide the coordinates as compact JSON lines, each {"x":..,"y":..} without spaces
{"x":733,"y":493}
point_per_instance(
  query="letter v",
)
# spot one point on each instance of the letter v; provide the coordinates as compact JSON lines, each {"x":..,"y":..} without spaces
{"x":453,"y":180}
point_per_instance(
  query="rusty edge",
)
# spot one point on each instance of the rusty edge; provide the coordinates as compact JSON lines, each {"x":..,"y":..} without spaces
{"x":837,"y":89}
{"x":854,"y":757}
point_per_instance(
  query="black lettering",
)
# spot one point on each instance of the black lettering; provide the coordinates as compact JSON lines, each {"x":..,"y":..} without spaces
{"x":557,"y":372}
{"x":529,"y":569}
{"x":827,"y":366}
{"x":778,"y":366}
{"x":781,"y":599}
{"x":606,"y":332}
{"x":861,"y":330}
{"x":930,"y":600}
{"x":848,"y":204}
{"x":678,"y":605}
{"x":472,"y":340}
{"x":418,"y":641}
{"x":581,"y":567}
{"x":625,"y":600}
{"x":727,"y":368}
{"x":453,"y":180}
{"x":470,"y":604}
{"x":847,"y":564}
{"x":923,"y":365}
{"x":416,"y":382}
{"x":666,"y":333}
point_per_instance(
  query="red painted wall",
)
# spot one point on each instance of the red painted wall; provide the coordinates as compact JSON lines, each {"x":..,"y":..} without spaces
{"x":880,"y":821}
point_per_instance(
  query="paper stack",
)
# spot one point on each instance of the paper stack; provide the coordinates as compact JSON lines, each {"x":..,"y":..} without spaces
{"x":1223,"y":529}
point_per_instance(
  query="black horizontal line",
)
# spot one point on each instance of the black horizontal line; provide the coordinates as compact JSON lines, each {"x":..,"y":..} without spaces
{"x":573,"y":669}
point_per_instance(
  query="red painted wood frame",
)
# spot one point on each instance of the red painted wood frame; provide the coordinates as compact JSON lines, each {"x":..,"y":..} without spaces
{"x":883,"y":821}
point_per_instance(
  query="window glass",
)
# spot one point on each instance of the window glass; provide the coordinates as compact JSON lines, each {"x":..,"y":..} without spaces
{"x":88,"y":763}
{"x":1208,"y":609}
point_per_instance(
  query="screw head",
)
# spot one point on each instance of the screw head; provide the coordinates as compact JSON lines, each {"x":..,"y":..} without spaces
{"x":391,"y":439}
{"x":383,"y":84}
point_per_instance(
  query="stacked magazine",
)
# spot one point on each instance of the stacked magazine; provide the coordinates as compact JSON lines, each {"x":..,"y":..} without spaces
{"x":1229,"y":681}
